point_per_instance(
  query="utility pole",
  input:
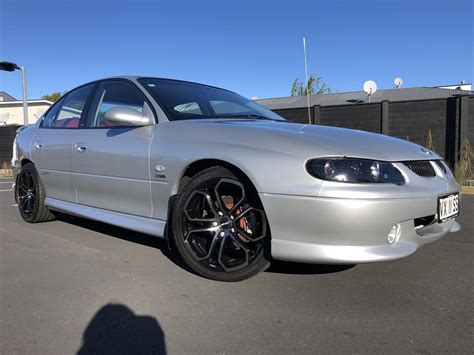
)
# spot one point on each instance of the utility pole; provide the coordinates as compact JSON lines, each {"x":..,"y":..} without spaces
{"x":306,"y":74}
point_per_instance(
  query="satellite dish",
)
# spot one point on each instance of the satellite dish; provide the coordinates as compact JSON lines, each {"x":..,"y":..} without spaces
{"x":398,"y":82}
{"x":370,"y":87}
{"x":3,"y":118}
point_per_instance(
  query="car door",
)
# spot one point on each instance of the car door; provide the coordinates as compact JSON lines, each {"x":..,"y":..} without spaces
{"x":111,"y":163}
{"x":53,"y":143}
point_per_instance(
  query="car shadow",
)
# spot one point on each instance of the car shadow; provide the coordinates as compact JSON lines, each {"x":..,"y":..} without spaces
{"x":126,"y":234}
{"x":277,"y":266}
{"x":115,"y":329}
{"x":292,"y":268}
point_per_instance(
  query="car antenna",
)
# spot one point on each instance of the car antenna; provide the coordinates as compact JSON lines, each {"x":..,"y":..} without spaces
{"x":306,"y":74}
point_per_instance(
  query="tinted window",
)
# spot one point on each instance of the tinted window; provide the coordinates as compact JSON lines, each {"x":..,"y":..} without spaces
{"x":70,"y":109}
{"x":183,"y":100}
{"x":225,"y":107}
{"x":189,"y":107}
{"x":116,"y":94}
{"x":51,"y":114}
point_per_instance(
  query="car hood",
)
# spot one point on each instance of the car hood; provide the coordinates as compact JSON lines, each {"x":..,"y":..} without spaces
{"x":300,"y":139}
{"x":362,"y":144}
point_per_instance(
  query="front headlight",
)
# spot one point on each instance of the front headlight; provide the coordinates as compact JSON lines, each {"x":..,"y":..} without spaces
{"x":354,"y":170}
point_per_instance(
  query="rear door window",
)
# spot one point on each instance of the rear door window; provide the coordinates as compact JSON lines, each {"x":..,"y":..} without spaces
{"x":70,"y":110}
{"x":51,"y":114}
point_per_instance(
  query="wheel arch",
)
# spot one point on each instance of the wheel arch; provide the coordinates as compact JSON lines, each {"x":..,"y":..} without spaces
{"x":194,"y":168}
{"x":197,"y":166}
{"x":25,"y":161}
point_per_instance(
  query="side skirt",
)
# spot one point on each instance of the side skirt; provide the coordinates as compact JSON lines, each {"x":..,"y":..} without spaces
{"x":155,"y":227}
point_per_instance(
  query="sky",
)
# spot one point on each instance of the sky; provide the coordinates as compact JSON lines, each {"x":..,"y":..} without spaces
{"x":251,"y":47}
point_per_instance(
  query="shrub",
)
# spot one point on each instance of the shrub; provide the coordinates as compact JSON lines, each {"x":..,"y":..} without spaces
{"x":463,"y":168}
{"x":5,"y":169}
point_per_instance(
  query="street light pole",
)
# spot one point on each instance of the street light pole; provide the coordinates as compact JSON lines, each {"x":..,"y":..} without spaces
{"x":25,"y":100}
{"x":9,"y":66}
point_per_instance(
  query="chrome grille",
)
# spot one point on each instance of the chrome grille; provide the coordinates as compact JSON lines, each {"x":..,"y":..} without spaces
{"x":421,"y":167}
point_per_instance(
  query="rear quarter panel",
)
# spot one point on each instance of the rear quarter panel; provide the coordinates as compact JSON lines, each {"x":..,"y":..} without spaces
{"x":22,"y":146}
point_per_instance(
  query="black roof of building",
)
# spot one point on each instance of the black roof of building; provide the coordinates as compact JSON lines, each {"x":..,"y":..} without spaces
{"x":358,"y":97}
{"x":6,"y":97}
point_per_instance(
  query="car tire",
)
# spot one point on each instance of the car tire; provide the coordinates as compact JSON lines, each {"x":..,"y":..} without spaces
{"x":30,"y":195}
{"x":219,"y":226}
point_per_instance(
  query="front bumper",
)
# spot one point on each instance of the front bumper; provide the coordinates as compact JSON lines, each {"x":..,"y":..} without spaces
{"x":349,"y":230}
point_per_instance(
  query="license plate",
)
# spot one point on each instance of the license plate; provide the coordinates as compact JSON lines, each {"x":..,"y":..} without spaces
{"x":448,"y":207}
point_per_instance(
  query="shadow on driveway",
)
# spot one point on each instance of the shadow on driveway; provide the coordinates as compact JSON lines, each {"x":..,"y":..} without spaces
{"x":115,"y":329}
{"x":125,"y":234}
{"x":279,"y":267}
{"x":286,"y":267}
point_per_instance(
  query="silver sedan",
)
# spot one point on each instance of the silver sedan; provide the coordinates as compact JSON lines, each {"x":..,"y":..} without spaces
{"x":229,"y":183}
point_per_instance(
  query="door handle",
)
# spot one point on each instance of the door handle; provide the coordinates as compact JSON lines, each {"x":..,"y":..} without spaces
{"x":80,"y":148}
{"x":38,"y":146}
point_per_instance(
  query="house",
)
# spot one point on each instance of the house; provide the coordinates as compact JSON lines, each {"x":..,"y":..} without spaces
{"x":461,"y":86}
{"x":360,"y":97}
{"x":407,"y":113}
{"x":11,"y":109}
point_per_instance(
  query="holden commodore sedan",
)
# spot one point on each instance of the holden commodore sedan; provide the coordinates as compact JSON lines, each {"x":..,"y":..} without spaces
{"x":229,"y":183}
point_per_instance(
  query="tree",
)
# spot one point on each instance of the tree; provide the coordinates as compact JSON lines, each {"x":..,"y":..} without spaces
{"x":315,"y":86}
{"x":429,"y":141}
{"x":53,"y":97}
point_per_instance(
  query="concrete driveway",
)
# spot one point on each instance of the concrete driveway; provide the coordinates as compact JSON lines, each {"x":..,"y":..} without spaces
{"x":75,"y":285}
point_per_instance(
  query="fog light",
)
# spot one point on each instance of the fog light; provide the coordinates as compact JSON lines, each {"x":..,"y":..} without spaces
{"x":394,"y":233}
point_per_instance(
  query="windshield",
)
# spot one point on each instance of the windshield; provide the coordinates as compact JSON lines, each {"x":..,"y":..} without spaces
{"x":183,"y":101}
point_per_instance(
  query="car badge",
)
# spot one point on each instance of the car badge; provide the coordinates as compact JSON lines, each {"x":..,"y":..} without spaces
{"x":160,"y":168}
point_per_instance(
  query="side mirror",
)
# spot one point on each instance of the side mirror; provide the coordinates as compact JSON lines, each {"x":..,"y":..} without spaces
{"x":126,"y":116}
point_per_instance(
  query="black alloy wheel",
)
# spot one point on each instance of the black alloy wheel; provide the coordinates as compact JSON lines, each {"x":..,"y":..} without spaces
{"x":220,"y":227}
{"x":27,"y":193}
{"x":30,"y":195}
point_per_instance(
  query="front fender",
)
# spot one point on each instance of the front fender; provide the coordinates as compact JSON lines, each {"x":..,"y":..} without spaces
{"x":269,"y":171}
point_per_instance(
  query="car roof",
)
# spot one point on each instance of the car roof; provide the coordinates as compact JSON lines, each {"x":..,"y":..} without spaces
{"x":136,"y":77}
